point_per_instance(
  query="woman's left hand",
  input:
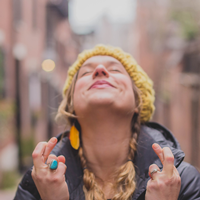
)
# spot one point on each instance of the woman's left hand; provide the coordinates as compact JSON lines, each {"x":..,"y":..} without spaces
{"x":163,"y":185}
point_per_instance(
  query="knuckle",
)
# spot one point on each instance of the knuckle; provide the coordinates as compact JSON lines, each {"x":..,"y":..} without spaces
{"x":36,"y":151}
{"x":169,"y":182}
{"x":38,"y":177}
{"x":48,"y":179}
{"x":62,"y":165}
{"x":161,"y":184}
{"x":153,"y":186}
{"x":149,"y":185}
{"x":169,"y":158}
{"x":52,"y":155}
{"x":55,"y":179}
{"x":35,"y":154}
{"x":178,"y":180}
{"x":52,"y":179}
{"x":174,"y":180}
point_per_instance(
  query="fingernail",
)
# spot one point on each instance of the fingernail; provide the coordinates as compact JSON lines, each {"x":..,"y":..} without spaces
{"x":156,"y":146}
{"x":53,"y":140}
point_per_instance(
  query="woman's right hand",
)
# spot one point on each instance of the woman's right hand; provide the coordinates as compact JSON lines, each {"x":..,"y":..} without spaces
{"x":51,"y":184}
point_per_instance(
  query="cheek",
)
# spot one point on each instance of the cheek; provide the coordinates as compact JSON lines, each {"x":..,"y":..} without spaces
{"x":126,"y":83}
{"x":77,"y":90}
{"x":80,"y":87}
{"x":129,"y":96}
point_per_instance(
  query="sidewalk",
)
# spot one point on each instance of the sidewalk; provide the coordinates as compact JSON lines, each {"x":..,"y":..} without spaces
{"x":7,"y":195}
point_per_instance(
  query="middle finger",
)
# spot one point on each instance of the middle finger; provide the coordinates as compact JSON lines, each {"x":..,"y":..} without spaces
{"x":168,"y":163}
{"x":49,"y":147}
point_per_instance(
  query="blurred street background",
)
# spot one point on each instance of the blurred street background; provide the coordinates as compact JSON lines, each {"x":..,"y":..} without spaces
{"x":40,"y":39}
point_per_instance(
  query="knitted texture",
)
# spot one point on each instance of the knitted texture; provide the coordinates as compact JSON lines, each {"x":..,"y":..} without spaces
{"x":137,"y":74}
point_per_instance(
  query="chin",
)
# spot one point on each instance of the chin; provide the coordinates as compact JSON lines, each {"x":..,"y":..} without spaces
{"x":102,"y":99}
{"x":93,"y":102}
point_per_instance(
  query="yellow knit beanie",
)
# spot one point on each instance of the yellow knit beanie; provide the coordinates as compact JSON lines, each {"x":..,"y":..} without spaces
{"x":140,"y":78}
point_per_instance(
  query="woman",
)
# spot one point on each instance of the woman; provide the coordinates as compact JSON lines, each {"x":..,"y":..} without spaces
{"x":113,"y":152}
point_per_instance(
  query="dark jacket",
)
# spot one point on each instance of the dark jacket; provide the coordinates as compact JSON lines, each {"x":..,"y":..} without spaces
{"x":145,"y":156}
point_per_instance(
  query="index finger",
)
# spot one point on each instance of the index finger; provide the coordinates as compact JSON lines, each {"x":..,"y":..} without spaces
{"x":37,"y":154}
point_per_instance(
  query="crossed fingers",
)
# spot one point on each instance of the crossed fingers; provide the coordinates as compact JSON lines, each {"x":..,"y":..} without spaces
{"x":42,"y":152}
{"x":167,"y":159}
{"x":163,"y":184}
{"x":50,"y":183}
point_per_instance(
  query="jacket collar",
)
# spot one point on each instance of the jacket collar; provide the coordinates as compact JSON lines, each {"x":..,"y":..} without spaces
{"x":145,"y":156}
{"x":154,"y":133}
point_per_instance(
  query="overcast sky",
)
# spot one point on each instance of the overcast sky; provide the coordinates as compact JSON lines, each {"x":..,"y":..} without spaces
{"x":84,"y":14}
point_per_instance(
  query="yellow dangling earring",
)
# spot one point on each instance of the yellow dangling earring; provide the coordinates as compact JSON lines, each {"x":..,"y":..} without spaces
{"x":74,"y":137}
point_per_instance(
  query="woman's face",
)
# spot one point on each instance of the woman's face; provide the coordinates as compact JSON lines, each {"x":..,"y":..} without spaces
{"x":103,"y":81}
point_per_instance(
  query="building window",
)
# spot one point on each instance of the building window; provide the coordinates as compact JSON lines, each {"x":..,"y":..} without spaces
{"x":34,"y":92}
{"x":2,"y":75}
{"x":34,"y":13}
{"x":17,"y":12}
{"x":50,"y":27}
{"x":191,"y":63}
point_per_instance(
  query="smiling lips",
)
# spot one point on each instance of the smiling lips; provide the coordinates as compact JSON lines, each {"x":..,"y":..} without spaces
{"x":101,"y":84}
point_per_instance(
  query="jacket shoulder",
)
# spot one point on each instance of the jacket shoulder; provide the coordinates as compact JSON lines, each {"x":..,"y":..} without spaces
{"x":190,"y":182}
{"x":27,"y":189}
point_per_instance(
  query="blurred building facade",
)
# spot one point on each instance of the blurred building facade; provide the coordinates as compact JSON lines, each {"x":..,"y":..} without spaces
{"x":35,"y":30}
{"x":173,"y":63}
{"x":30,"y":32}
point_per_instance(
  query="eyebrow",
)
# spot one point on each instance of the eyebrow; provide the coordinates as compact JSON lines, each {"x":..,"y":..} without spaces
{"x":87,"y":65}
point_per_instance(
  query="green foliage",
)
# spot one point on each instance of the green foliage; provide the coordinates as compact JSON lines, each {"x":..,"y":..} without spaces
{"x":28,"y":146}
{"x":1,"y":73}
{"x":186,"y":14}
{"x":6,"y":110}
{"x":188,"y":24}
{"x":9,"y":179}
{"x":6,"y":120}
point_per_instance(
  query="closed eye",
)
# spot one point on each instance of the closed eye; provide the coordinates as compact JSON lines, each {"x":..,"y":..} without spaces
{"x":115,"y":70}
{"x":86,"y":73}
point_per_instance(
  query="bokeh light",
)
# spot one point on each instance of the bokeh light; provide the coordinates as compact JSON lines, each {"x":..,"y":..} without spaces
{"x":48,"y":65}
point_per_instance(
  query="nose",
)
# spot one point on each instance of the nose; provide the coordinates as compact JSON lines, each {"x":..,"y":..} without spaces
{"x":100,"y":71}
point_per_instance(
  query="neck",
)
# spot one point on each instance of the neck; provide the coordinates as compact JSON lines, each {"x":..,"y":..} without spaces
{"x":105,"y":138}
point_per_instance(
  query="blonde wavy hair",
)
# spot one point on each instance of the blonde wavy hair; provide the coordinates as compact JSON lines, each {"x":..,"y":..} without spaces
{"x":125,"y":183}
